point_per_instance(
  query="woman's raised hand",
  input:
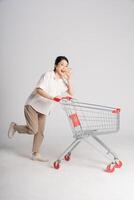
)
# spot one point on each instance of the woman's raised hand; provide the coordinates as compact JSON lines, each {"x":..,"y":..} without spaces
{"x":67,"y":73}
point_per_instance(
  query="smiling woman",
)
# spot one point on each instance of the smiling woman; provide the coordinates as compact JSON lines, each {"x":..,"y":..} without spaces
{"x":62,"y":70}
{"x":61,"y":61}
{"x":49,"y":88}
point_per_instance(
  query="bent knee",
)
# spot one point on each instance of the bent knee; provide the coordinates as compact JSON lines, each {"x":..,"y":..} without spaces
{"x":33,"y":130}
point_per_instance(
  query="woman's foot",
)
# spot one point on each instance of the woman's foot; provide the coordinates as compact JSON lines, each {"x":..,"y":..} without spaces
{"x":11,"y":130}
{"x":38,"y":157}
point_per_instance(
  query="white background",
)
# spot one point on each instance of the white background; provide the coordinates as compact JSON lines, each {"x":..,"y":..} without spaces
{"x":98,"y":39}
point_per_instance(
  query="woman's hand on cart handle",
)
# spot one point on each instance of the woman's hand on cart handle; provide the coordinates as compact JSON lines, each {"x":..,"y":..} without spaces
{"x":59,"y":98}
{"x":67,"y":98}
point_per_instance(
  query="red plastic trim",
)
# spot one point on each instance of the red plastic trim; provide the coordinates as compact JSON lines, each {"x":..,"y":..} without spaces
{"x":117,"y":110}
{"x":57,"y":99}
{"x":75,"y":119}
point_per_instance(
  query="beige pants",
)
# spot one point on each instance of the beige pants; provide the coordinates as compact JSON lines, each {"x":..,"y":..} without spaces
{"x":35,"y":126}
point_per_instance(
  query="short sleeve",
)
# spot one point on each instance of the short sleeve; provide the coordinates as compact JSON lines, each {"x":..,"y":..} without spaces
{"x":43,"y":81}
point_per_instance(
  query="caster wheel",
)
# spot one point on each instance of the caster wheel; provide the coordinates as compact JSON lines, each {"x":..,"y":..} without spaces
{"x":56,"y":165}
{"x":67,"y":157}
{"x":118,"y":164}
{"x":110,"y":168}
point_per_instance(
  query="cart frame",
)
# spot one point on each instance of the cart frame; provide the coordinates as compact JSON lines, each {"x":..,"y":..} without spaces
{"x":90,"y":120}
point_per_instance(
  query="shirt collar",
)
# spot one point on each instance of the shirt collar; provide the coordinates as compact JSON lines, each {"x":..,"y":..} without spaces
{"x":54,"y":76}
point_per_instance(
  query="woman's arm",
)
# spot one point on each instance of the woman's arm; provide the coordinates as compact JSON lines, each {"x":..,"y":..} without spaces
{"x":67,"y":76}
{"x":70,"y":88}
{"x":44,"y":93}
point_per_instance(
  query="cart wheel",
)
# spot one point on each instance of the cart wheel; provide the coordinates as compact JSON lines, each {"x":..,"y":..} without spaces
{"x":118,"y":164}
{"x":110,"y":168}
{"x":67,"y":157}
{"x":56,"y":165}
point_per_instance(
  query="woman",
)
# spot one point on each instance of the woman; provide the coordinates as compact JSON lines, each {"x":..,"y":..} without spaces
{"x":39,"y":104}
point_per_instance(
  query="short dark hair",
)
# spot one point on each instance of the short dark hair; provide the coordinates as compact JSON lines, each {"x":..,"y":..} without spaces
{"x":58,"y":59}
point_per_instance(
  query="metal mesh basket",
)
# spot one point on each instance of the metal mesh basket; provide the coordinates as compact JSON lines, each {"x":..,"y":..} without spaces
{"x":86,"y":119}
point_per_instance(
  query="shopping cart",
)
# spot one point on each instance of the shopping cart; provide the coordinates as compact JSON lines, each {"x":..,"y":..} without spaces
{"x":90,"y":120}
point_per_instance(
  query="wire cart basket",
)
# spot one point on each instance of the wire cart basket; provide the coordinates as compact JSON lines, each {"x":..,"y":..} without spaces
{"x":90,"y":120}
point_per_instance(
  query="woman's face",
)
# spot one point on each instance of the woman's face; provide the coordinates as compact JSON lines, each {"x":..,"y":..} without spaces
{"x":61,"y":67}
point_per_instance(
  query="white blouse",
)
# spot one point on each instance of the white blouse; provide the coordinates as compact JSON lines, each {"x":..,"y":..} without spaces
{"x":52,"y":86}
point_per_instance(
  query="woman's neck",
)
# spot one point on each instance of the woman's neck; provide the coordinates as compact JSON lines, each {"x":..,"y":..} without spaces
{"x":58,"y":76}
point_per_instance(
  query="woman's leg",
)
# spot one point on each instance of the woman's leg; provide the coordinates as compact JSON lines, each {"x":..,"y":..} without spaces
{"x":31,"y":117}
{"x":39,"y":136}
{"x":38,"y":139}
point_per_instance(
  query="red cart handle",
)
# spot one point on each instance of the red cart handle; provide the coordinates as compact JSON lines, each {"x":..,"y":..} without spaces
{"x":58,"y":99}
{"x":67,"y":98}
{"x":116,"y":110}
